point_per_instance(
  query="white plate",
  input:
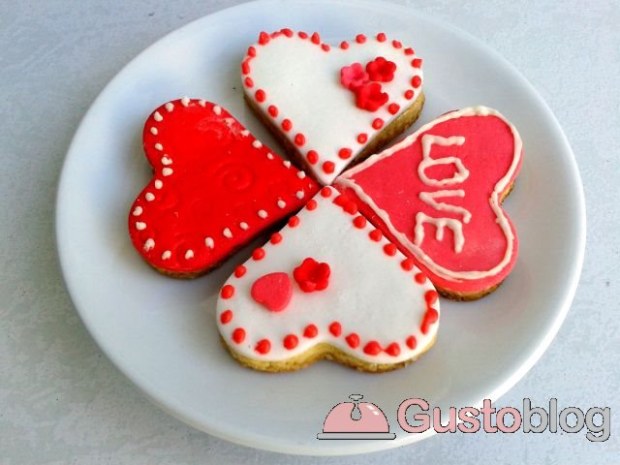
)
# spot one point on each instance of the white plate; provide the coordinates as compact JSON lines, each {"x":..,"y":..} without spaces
{"x":161,"y":332}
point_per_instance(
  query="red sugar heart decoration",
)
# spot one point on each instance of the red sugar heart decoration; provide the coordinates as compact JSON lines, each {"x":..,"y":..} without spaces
{"x":273,"y":291}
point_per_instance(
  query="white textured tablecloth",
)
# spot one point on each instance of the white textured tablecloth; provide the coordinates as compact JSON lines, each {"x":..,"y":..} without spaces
{"x":63,"y":402}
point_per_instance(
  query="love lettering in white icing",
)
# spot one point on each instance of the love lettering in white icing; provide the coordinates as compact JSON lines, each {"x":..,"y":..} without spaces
{"x":461,"y":173}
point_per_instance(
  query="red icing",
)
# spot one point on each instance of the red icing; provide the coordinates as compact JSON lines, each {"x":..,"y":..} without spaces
{"x":407,"y":264}
{"x":263,"y":38}
{"x":409,"y":51}
{"x":260,"y":95}
{"x":431,"y":297}
{"x":329,"y":166}
{"x":381,"y":70}
{"x":420,"y":278}
{"x":293,"y":221}
{"x":416,"y":62}
{"x":411,"y":342}
{"x":326,"y":192}
{"x":431,"y":316}
{"x":372,"y":348}
{"x":353,"y":340}
{"x":360,"y":38}
{"x":273,"y":291}
{"x":390,"y":249}
{"x":226,"y":317}
{"x":248,"y":82}
{"x":311,"y":275}
{"x":488,"y":152}
{"x":300,"y":140}
{"x":302,"y":35}
{"x":416,"y":81}
{"x":353,"y":76}
{"x":311,"y":331}
{"x":316,"y":38}
{"x":362,"y":138}
{"x":311,"y":205}
{"x":396,"y":44}
{"x":209,"y":178}
{"x":287,"y":32}
{"x":345,"y":153}
{"x":290,"y":342}
{"x":377,"y":123}
{"x":263,"y":346}
{"x":273,"y":111}
{"x":370,"y":96}
{"x":286,"y":124}
{"x":344,"y":45}
{"x":409,"y":94}
{"x":275,"y":238}
{"x":227,"y":291}
{"x":238,"y":335}
{"x":326,"y":47}
{"x":240,"y":271}
{"x":312,"y":157}
{"x":393,"y":349}
{"x":335,"y":328}
{"x":393,"y":108}
{"x":359,"y":222}
{"x":381,"y":37}
{"x":376,"y":235}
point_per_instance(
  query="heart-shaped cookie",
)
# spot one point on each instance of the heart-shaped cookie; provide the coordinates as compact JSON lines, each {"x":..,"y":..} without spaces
{"x":332,"y":104}
{"x":438,"y":194}
{"x":356,"y":299}
{"x":214,"y":188}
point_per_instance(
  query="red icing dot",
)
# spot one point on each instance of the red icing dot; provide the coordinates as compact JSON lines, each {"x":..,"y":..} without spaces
{"x":353,"y":340}
{"x":359,"y":222}
{"x":302,"y":35}
{"x":326,"y":192}
{"x":381,"y":37}
{"x":260,"y":95}
{"x":393,"y":349}
{"x":273,"y":111}
{"x":370,"y":97}
{"x":325,"y":47}
{"x":372,"y":348}
{"x":344,"y":45}
{"x":263,"y":38}
{"x":393,"y":108}
{"x":293,"y":221}
{"x":258,"y":254}
{"x":245,"y":67}
{"x":431,"y":316}
{"x":411,"y":342}
{"x":362,"y":138}
{"x":360,"y":38}
{"x":431,"y":297}
{"x":346,"y":204}
{"x":226,"y":317}
{"x":238,"y":335}
{"x":390,"y":249}
{"x":275,"y":238}
{"x":287,"y":32}
{"x":251,"y":51}
{"x":329,"y":167}
{"x":377,"y":123}
{"x":345,"y":153}
{"x":396,"y":44}
{"x":416,"y":81}
{"x":300,"y":140}
{"x":316,"y":38}
{"x":335,"y":329}
{"x":290,"y":342}
{"x":263,"y":346}
{"x":416,"y":62}
{"x":376,"y":235}
{"x":312,"y":157}
{"x":311,"y":275}
{"x":420,"y":278}
{"x":311,"y":331}
{"x":409,"y":94}
{"x":409,"y":51}
{"x":249,"y":82}
{"x":227,"y":291}
{"x":311,"y":205}
{"x":286,"y":124}
{"x":407,"y":264}
{"x":240,"y":271}
{"x":381,"y":69}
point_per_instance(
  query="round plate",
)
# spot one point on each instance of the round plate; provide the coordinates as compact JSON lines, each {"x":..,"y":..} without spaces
{"x":161,"y":332}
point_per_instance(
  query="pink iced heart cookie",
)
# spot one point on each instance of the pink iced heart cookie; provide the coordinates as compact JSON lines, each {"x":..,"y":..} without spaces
{"x":355,"y":298}
{"x":438,"y":194}
{"x":214,"y":188}
{"x":332,"y":104}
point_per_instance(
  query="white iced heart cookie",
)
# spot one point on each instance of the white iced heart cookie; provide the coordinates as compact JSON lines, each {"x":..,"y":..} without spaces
{"x":329,"y":285}
{"x":332,"y":104}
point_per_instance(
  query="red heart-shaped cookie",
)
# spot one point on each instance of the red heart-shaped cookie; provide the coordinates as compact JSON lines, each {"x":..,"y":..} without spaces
{"x":214,"y":188}
{"x":438,"y":194}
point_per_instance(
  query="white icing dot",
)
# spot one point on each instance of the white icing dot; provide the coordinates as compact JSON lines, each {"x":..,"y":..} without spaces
{"x":149,"y":196}
{"x":217,"y":110}
{"x":270,"y":156}
{"x":281,"y":203}
{"x":245,"y":133}
{"x":189,"y":254}
{"x":257,"y":144}
{"x":137,"y":211}
{"x":228,"y":233}
{"x":286,"y":163}
{"x":149,"y":244}
{"x":166,"y":161}
{"x":299,"y":194}
{"x":166,"y":255}
{"x":157,"y":116}
{"x":243,"y":225}
{"x":140,"y":226}
{"x":185,"y":101}
{"x":169,"y":106}
{"x":154,"y":131}
{"x":167,"y":171}
{"x":158,"y":146}
{"x":158,"y":184}
{"x":229,"y":121}
{"x":262,"y":213}
{"x":202,"y":103}
{"x":209,"y":242}
{"x":301,"y":174}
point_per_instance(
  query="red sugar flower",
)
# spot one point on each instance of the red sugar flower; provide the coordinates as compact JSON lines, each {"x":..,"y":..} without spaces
{"x":312,"y":275}
{"x":381,"y":70}
{"x":369,"y":97}
{"x":353,"y":76}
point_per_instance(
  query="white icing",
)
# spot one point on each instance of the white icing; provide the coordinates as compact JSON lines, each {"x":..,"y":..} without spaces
{"x":245,"y":133}
{"x":169,"y":106}
{"x":299,"y":194}
{"x":301,"y":174}
{"x":494,"y":201}
{"x":189,"y":254}
{"x":281,"y":203}
{"x":262,"y":214}
{"x":158,"y":184}
{"x":286,"y":163}
{"x":166,"y":255}
{"x":257,"y":144}
{"x":158,"y":146}
{"x":243,"y":225}
{"x":461,"y":173}
{"x":140,"y":226}
{"x":185,"y":101}
{"x":270,"y":156}
{"x":157,"y":117}
{"x":440,"y":224}
{"x":209,"y":242}
{"x":369,"y":293}
{"x":430,"y":198}
{"x":303,"y":81}
{"x":166,"y":171}
{"x":154,"y":131}
{"x":227,"y":233}
{"x":149,"y":244}
{"x":137,"y":211}
{"x":149,"y":197}
{"x":202,"y":103}
{"x":166,"y":160}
